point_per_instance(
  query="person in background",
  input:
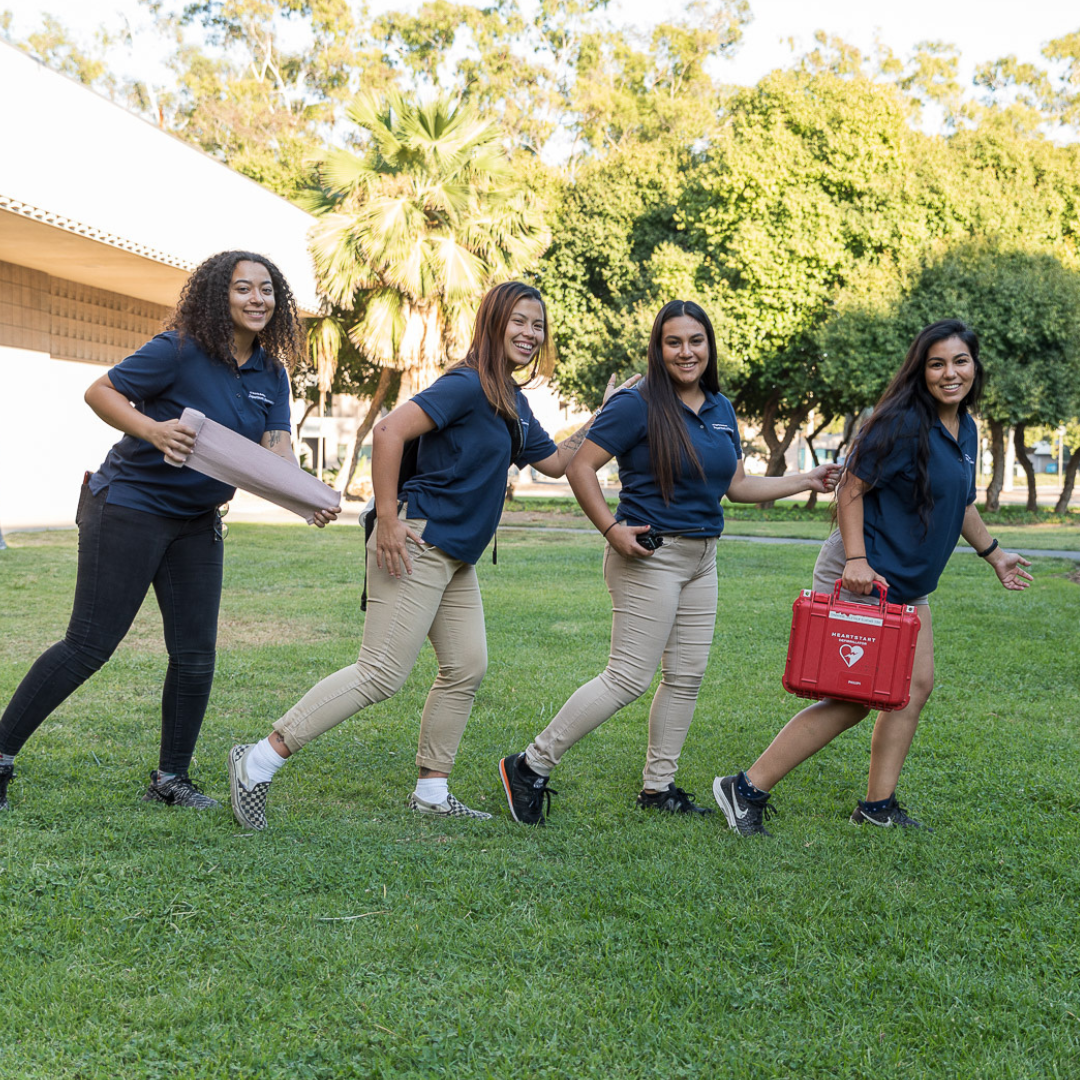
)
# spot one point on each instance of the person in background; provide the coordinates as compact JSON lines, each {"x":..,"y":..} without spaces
{"x":676,"y":439}
{"x":906,"y":495}
{"x":145,"y":523}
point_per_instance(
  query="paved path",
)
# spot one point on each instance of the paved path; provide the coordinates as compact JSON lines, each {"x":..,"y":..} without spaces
{"x":1028,"y":553}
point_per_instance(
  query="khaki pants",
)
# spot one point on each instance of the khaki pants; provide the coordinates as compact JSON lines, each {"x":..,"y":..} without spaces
{"x":664,"y":614}
{"x":440,"y":600}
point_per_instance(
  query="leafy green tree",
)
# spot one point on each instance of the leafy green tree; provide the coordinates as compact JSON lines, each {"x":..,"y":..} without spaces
{"x":414,"y":230}
{"x":809,"y":188}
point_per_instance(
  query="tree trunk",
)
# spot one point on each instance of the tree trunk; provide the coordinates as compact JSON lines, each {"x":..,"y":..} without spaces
{"x":778,"y":445}
{"x":352,"y":454}
{"x":1025,"y":464}
{"x":811,"y":502}
{"x":297,"y":441}
{"x":1068,"y":479}
{"x":997,"y":473}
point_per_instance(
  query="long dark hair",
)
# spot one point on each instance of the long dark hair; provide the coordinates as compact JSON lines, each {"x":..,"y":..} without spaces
{"x":907,"y":396}
{"x":485,"y":353}
{"x":670,"y":449}
{"x":202,"y":313}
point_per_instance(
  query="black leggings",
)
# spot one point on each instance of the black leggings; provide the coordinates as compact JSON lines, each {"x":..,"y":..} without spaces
{"x":122,"y":553}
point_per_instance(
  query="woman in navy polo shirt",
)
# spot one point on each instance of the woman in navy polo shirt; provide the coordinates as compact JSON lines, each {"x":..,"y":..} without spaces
{"x":677,"y":444}
{"x":144,"y":522}
{"x":472,"y":423}
{"x":906,"y":496}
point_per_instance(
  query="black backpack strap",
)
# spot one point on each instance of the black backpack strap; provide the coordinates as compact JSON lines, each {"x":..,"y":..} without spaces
{"x":369,"y":527}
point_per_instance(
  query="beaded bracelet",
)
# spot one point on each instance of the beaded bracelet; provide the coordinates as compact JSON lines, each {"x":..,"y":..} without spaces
{"x":990,"y":550}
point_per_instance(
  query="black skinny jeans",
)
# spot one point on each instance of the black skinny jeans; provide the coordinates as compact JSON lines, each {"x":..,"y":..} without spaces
{"x":122,"y":553}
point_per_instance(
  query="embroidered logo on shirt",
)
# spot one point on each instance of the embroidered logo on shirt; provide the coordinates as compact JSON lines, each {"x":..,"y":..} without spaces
{"x":722,"y":427}
{"x":969,"y":460}
{"x":256,"y":395}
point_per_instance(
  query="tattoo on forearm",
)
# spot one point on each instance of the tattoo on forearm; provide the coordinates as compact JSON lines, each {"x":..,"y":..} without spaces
{"x":574,"y":441}
{"x":275,"y":438}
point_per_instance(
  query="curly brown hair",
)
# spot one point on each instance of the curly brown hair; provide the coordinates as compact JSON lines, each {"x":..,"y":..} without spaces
{"x":202,"y":312}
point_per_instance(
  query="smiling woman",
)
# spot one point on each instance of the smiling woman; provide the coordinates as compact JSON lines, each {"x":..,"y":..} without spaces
{"x":677,"y":444}
{"x":430,"y":530}
{"x":907,"y":494}
{"x":143,"y":522}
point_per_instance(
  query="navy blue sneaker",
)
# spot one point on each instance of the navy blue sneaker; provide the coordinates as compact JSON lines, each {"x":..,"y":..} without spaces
{"x":893,"y":814}
{"x":745,"y":816}
{"x":672,"y":800}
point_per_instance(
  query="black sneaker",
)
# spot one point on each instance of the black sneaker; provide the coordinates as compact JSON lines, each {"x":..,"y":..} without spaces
{"x":528,"y":796}
{"x":745,"y":816}
{"x":893,"y":814}
{"x":672,"y":800}
{"x":179,"y":791}
{"x":6,"y":773}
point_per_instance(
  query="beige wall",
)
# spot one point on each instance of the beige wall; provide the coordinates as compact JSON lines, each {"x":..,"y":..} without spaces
{"x":56,"y":338}
{"x":48,"y":437}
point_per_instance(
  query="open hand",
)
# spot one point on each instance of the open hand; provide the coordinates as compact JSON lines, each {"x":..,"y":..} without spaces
{"x":1007,"y":567}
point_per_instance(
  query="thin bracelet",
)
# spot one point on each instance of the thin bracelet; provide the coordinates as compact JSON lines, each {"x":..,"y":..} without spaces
{"x":609,"y":528}
{"x":855,"y":558}
{"x":990,"y":550}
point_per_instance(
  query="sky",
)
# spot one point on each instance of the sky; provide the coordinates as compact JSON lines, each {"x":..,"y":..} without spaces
{"x":983,"y":29}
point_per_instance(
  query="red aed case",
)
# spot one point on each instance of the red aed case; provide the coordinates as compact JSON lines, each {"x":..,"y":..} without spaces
{"x":853,"y":652}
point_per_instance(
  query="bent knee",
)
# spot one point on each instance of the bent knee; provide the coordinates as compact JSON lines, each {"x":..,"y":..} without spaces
{"x":921,"y":688}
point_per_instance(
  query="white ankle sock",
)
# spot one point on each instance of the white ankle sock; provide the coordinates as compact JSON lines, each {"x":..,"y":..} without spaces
{"x":262,"y":762}
{"x":432,"y":789}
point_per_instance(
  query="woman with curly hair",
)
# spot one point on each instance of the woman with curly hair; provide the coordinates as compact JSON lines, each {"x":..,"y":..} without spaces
{"x":907,"y":494}
{"x":143,"y":522}
{"x":430,"y":530}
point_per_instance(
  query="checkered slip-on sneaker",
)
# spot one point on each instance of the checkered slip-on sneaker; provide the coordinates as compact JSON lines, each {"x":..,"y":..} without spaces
{"x":449,"y":807}
{"x":248,"y":803}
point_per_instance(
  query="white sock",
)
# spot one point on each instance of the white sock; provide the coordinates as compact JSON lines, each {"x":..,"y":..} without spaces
{"x":262,"y":762}
{"x":432,"y":789}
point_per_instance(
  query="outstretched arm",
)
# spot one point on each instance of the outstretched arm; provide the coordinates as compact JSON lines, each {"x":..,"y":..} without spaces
{"x":555,"y":465}
{"x":751,"y":489}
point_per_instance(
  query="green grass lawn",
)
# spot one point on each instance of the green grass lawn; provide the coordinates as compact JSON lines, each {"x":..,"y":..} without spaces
{"x":354,"y":939}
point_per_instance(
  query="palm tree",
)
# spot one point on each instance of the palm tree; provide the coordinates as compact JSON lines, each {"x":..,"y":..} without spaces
{"x":413,"y":230}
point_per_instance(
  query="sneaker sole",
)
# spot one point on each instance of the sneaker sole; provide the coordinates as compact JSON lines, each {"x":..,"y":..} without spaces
{"x":234,"y":792}
{"x":725,"y":807}
{"x":506,"y":789}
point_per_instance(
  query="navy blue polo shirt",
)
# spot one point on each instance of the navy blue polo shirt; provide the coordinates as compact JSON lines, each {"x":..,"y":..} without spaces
{"x":162,"y":380}
{"x":896,"y":545}
{"x":460,"y":483}
{"x":694,"y":510}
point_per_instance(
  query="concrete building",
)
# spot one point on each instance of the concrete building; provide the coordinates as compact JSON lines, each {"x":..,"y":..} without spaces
{"x":102,"y":218}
